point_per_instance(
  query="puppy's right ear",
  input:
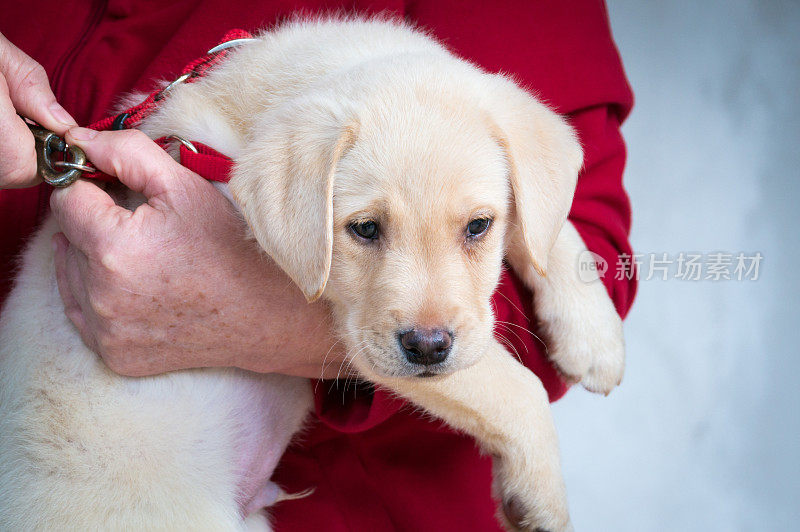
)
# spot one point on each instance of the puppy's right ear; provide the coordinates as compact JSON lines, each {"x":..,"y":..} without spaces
{"x":283,"y":184}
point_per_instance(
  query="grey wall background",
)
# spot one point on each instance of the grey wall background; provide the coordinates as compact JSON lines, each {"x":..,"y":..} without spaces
{"x":704,"y":433}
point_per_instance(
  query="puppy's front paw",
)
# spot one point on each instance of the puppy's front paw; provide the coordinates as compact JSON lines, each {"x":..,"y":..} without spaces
{"x":532,"y":499}
{"x":587,"y":345}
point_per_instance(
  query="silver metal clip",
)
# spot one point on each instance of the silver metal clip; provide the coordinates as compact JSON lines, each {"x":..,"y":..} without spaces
{"x":75,"y":159}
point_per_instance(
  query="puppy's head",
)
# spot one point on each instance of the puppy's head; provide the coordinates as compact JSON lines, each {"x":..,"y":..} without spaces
{"x":397,"y":207}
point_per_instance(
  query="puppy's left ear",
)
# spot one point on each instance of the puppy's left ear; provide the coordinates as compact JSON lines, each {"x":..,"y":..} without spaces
{"x":283,"y":184}
{"x":544,"y":158}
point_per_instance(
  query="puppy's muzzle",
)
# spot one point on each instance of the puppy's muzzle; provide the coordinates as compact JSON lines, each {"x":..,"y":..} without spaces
{"x":426,"y":347}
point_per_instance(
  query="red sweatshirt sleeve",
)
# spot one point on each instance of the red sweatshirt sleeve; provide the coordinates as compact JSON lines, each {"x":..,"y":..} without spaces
{"x":564,"y":53}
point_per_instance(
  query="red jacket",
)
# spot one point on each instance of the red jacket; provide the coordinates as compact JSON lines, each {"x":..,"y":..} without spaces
{"x":376,"y":464}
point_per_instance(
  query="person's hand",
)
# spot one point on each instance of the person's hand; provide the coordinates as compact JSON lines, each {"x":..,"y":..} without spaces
{"x":24,"y":89}
{"x":174,"y":284}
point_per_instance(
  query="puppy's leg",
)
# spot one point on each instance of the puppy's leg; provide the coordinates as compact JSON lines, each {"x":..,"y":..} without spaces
{"x":582,"y":328}
{"x":505,"y":408}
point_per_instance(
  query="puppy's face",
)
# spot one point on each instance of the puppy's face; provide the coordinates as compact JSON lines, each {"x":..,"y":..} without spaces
{"x":393,"y":199}
{"x":420,"y":206}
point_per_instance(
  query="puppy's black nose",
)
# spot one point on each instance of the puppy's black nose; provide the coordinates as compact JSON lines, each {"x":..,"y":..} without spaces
{"x":426,"y":346}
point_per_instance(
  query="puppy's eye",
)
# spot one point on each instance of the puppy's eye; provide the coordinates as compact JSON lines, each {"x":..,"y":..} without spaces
{"x":478,"y":226}
{"x":367,"y":229}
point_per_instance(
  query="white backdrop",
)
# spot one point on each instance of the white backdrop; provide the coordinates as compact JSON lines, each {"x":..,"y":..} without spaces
{"x":704,"y":433}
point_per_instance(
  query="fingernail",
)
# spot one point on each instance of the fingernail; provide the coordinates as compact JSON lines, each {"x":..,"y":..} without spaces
{"x":61,"y":114}
{"x":82,"y":133}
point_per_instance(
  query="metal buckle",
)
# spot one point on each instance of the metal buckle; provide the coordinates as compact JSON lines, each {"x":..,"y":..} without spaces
{"x":75,"y":158}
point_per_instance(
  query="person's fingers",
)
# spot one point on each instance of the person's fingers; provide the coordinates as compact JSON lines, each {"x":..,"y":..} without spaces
{"x":138,"y":162}
{"x":29,"y":89}
{"x":17,"y":149}
{"x":24,"y":89}
{"x":67,"y":288}
{"x":86,"y":214}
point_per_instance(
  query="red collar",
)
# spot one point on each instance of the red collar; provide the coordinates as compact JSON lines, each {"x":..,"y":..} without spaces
{"x":207,"y":162}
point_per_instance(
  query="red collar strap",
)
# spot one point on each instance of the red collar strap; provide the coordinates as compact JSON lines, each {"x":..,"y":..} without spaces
{"x":207,"y":162}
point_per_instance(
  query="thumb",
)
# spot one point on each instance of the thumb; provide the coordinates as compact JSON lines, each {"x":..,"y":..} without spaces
{"x":138,"y":162}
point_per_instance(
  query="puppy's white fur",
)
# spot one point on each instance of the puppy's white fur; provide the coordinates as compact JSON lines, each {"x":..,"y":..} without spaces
{"x":328,"y":122}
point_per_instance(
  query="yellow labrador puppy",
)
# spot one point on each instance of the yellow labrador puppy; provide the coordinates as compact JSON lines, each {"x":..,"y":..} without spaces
{"x":383,"y":174}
